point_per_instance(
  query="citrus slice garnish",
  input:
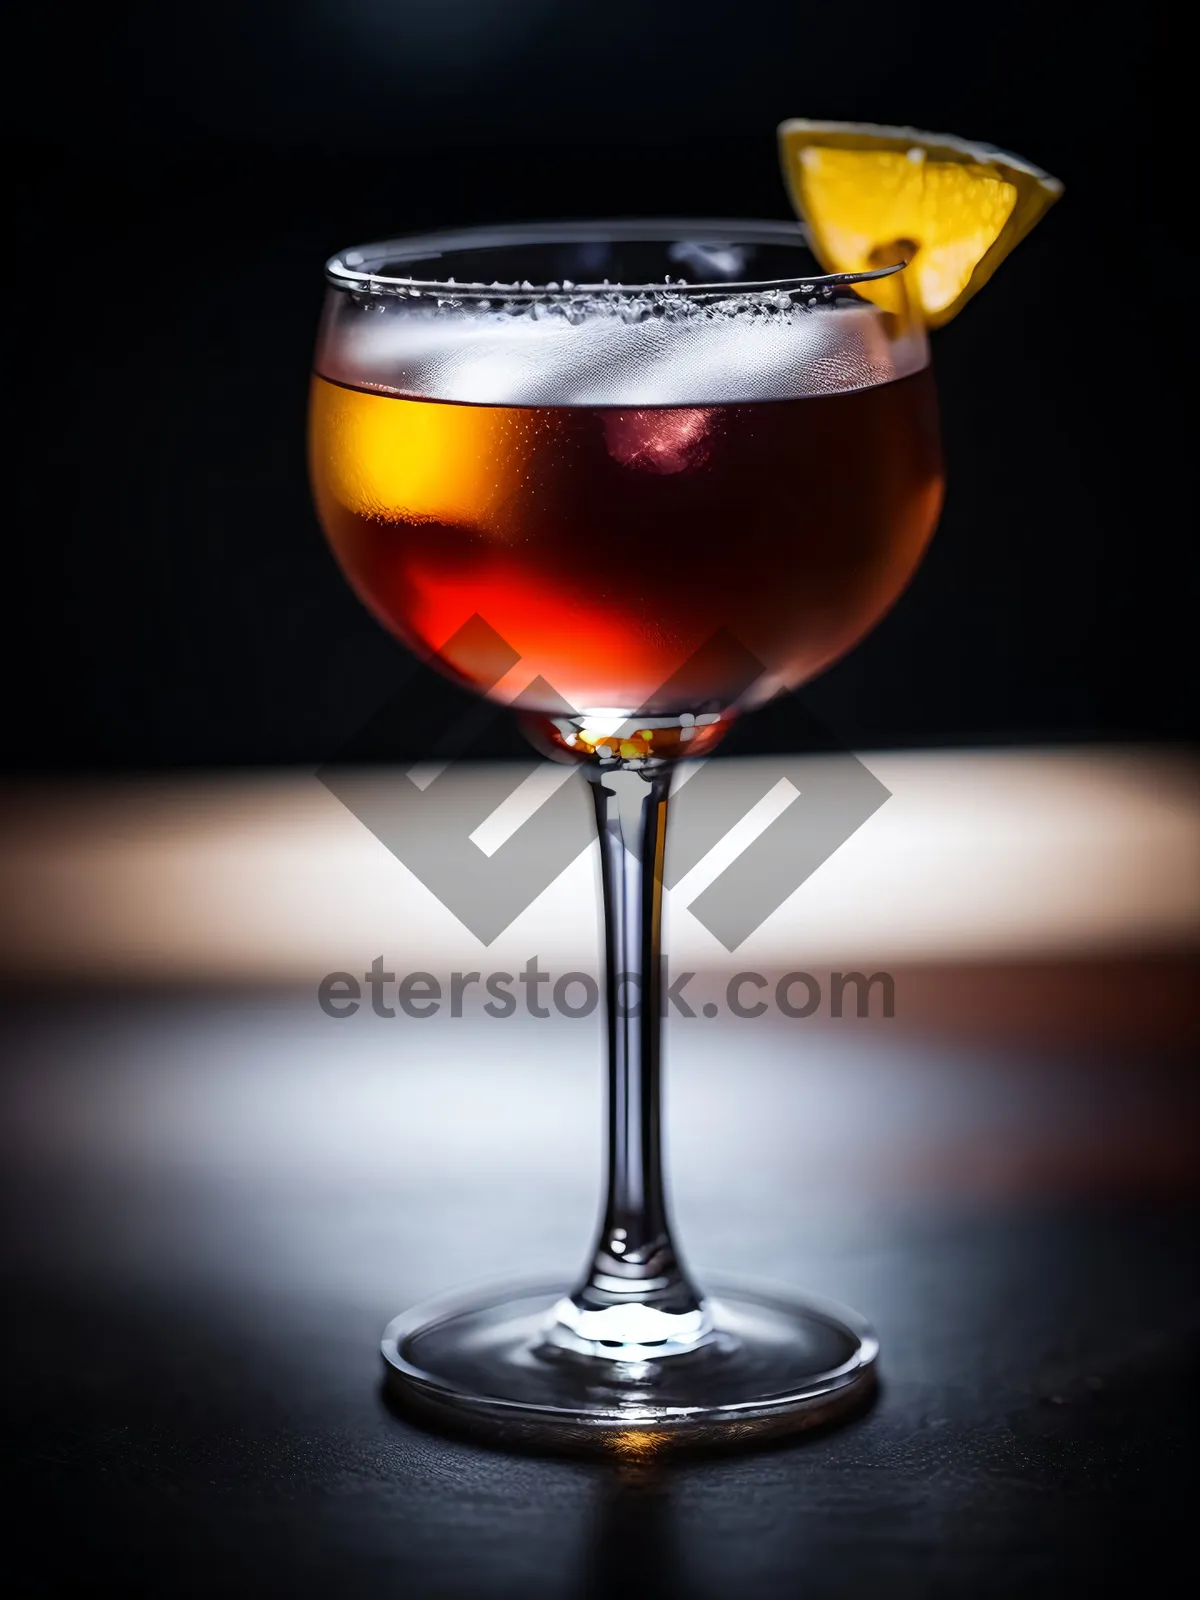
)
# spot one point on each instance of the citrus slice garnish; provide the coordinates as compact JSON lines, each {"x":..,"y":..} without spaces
{"x":872,"y":196}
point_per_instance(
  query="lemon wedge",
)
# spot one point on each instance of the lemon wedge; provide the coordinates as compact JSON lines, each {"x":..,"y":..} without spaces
{"x":872,"y":196}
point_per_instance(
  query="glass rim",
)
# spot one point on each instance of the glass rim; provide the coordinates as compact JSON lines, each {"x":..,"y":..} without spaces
{"x":350,"y":269}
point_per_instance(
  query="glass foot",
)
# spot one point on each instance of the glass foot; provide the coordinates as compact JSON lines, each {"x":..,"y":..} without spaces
{"x":772,"y":1365}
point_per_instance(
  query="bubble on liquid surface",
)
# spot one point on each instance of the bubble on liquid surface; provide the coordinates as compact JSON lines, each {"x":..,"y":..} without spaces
{"x":632,"y":351}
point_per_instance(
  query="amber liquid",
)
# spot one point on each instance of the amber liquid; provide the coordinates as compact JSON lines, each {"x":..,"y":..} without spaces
{"x":608,"y":546}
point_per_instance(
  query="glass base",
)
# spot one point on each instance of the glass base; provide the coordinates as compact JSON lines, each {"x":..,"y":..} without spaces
{"x":773,"y":1365}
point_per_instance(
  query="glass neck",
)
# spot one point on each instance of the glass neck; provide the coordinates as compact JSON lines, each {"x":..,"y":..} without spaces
{"x":635,"y":1302}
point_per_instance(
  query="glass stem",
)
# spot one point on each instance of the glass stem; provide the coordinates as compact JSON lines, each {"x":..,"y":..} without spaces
{"x":636,"y":1301}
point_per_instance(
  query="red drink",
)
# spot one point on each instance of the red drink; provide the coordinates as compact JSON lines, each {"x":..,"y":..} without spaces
{"x":607,"y":544}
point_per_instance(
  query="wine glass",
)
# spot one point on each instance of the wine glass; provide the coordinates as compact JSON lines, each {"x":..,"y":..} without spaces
{"x":676,"y":471}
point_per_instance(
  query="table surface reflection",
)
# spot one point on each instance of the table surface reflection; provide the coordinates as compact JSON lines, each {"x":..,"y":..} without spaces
{"x":217,"y":1200}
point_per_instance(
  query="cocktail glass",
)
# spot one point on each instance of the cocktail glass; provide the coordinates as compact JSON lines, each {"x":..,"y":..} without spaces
{"x":675,"y":471}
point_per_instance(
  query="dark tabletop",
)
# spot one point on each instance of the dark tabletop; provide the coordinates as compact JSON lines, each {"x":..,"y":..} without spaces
{"x":215,"y":1204}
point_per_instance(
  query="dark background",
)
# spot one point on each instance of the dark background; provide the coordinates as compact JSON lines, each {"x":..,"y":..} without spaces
{"x":211,"y":1211}
{"x":184,"y":172}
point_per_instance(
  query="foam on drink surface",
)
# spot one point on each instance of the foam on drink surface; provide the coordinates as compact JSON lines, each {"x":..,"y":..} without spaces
{"x":660,"y":348}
